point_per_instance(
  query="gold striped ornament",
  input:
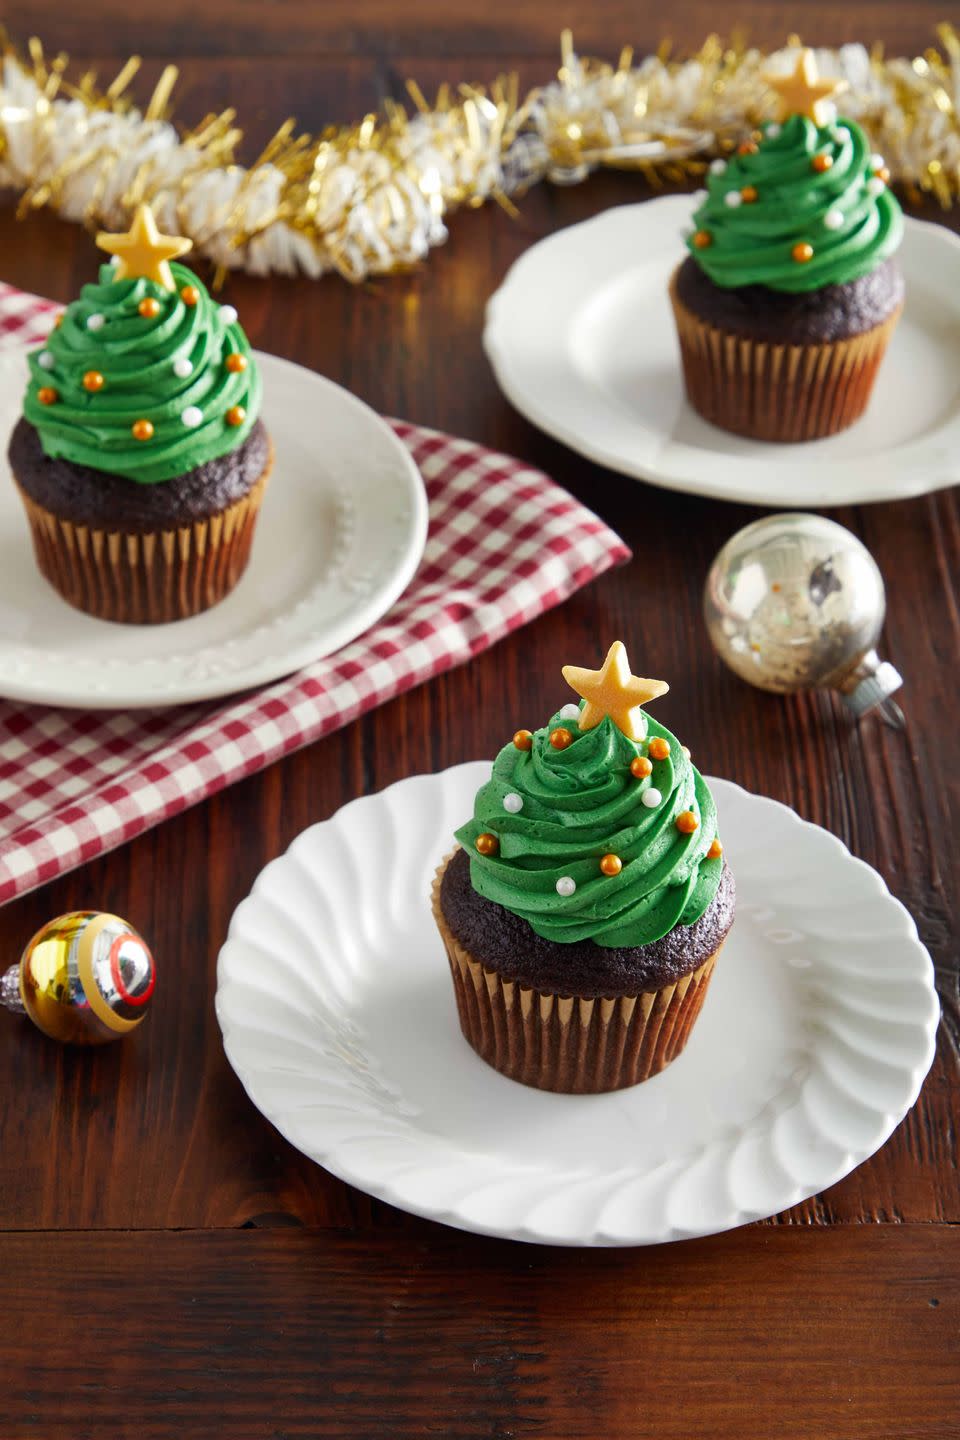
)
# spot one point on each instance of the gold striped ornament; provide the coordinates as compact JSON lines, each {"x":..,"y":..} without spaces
{"x":85,"y":978}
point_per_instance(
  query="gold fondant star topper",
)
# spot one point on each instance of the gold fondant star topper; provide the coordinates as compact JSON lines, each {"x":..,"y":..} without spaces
{"x":143,"y":252}
{"x":801,"y":90}
{"x":613,"y":691}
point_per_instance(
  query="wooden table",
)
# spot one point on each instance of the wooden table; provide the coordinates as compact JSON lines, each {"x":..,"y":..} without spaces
{"x":169,"y":1265}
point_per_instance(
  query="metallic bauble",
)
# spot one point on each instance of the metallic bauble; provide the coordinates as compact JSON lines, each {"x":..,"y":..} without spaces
{"x":85,"y":978}
{"x":795,"y":602}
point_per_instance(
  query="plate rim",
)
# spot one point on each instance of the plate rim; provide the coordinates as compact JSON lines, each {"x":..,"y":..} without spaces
{"x":333,"y":1160}
{"x":368,"y":609}
{"x":913,"y":478}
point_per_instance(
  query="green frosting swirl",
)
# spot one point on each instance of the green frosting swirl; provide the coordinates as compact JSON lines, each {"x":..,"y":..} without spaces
{"x":849,"y":217}
{"x":138,"y":359}
{"x":578,"y":805}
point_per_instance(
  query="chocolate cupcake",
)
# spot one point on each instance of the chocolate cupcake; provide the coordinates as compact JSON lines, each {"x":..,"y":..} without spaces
{"x":584,"y":913}
{"x":140,"y":458}
{"x":787,"y":301}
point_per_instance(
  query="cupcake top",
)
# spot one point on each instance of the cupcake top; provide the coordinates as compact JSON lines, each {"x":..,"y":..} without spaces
{"x":144,"y":376}
{"x":803,"y":206}
{"x":597,"y":827}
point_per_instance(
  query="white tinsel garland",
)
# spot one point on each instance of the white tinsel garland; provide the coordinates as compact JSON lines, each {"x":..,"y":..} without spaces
{"x":371,"y":198}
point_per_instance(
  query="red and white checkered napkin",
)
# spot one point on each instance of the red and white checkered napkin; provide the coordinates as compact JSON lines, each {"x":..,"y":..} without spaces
{"x":505,"y":543}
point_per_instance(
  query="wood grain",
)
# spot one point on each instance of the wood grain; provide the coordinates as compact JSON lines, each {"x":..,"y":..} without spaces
{"x":379,"y":28}
{"x":263,"y":1335}
{"x":179,"y":1131}
{"x":820,"y":1322}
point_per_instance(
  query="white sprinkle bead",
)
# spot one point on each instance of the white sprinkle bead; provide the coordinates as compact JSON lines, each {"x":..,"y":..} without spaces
{"x":192,"y":417}
{"x":733,"y":198}
{"x":45,"y":360}
{"x":96,"y":322}
{"x":566,"y":885}
{"x":875,"y":186}
{"x":651,"y":798}
{"x":833,"y":220}
{"x":717,"y":167}
{"x":114,"y":260}
{"x":570,"y":712}
{"x":228,"y":314}
{"x":877,"y":162}
{"x":698,"y":197}
{"x":772,"y":130}
{"x":686,"y":750}
{"x":182,"y":367}
{"x":513,"y":803}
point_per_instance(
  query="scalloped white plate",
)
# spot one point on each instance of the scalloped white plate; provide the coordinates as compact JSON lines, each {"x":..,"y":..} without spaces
{"x":337,"y":1012}
{"x":342,"y":530}
{"x":581,"y":339}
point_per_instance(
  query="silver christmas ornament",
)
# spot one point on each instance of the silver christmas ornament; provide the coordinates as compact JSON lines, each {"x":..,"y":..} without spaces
{"x":795,"y":602}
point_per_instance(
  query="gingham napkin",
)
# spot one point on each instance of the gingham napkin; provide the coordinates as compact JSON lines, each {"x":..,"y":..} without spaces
{"x":505,"y":543}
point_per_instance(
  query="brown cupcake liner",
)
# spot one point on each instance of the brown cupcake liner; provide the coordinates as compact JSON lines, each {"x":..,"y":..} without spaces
{"x":571,"y":1044}
{"x":777,"y":392}
{"x":152,"y":578}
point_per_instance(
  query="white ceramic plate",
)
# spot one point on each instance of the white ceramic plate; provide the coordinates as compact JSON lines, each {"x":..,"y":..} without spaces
{"x":582,"y":341}
{"x":337,"y":1012}
{"x":342,"y":530}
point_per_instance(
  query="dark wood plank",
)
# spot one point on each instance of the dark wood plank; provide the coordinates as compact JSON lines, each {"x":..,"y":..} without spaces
{"x":269,"y":1336}
{"x":175,"y":1141}
{"x":434,"y":27}
{"x":159,"y":1133}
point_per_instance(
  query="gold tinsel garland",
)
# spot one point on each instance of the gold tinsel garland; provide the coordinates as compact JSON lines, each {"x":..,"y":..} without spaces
{"x":371,"y":198}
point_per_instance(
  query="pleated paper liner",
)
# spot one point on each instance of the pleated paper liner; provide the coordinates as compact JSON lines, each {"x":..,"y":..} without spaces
{"x":569,"y":1044}
{"x":147,"y":579}
{"x":777,"y":392}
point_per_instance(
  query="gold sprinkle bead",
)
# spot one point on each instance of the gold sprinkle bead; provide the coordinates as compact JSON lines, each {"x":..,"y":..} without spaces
{"x":560,"y":738}
{"x":235,"y":415}
{"x":235,"y":363}
{"x":716,"y":849}
{"x":487,"y":844}
{"x":802,"y":252}
{"x":611,"y":864}
{"x":702,"y":240}
{"x":640,"y":768}
{"x":190,"y":295}
{"x":47,"y":395}
{"x":523,"y":739}
{"x":820,"y":163}
{"x":93,"y":381}
{"x":687,"y":822}
{"x":149,"y":307}
{"x":883,"y":174}
{"x":747,"y":148}
{"x":142,"y":429}
{"x":748,"y":194}
{"x":658,"y":749}
{"x":58,"y":322}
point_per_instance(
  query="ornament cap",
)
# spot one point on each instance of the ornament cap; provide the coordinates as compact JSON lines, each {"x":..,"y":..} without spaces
{"x":10,"y":997}
{"x":870,"y":685}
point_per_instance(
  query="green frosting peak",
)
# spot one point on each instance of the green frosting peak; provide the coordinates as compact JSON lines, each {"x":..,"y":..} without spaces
{"x":579,"y":804}
{"x":170,"y":369}
{"x":804,"y":185}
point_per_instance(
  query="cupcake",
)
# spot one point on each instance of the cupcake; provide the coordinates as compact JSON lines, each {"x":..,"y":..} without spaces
{"x":585,"y":909}
{"x":788,"y":298}
{"x":140,"y":457}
